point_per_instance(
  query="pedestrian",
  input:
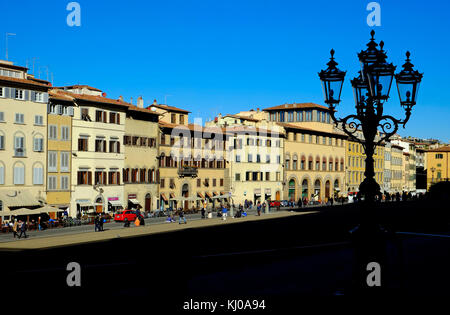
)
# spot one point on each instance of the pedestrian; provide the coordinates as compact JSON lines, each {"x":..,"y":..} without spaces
{"x":15,"y":228}
{"x":258,"y":208}
{"x":100,"y":222}
{"x":23,"y":228}
{"x":224,"y":213}
{"x":181,"y":215}
{"x":203,"y":212}
{"x":96,"y":223}
{"x":39,"y":224}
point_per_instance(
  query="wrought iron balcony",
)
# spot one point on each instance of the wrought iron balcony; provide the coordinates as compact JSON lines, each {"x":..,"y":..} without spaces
{"x":189,"y":171}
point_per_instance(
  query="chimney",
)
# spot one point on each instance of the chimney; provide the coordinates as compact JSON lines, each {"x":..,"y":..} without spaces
{"x":140,"y":102}
{"x":154,"y":102}
{"x":131,"y":100}
{"x":257,"y":109}
{"x":121,"y":98}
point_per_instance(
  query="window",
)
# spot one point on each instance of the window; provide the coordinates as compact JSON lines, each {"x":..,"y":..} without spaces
{"x":100,"y":145}
{"x":114,"y":178}
{"x":2,"y":92}
{"x":19,"y":174}
{"x":221,"y":182}
{"x":214,"y":182}
{"x":39,"y":97}
{"x":173,"y":119}
{"x":65,"y":133}
{"x":52,"y":182}
{"x":84,"y":178}
{"x":439,"y":156}
{"x":281,"y":116}
{"x":53,"y":132}
{"x":52,"y":161}
{"x":199,"y":182}
{"x":2,"y":174}
{"x":65,"y":161}
{"x":238,"y":158}
{"x":237,"y":177}
{"x":100,"y":178}
{"x":38,"y":175}
{"x":85,"y":114}
{"x":114,"y":146}
{"x":64,"y":182}
{"x":38,"y":120}
{"x":100,"y":116}
{"x":20,"y":94}
{"x":20,"y":118}
{"x":38,"y":144}
{"x":182,"y":119}
{"x":19,"y":145}
{"x":83,"y":144}
{"x":249,"y":158}
{"x":114,"y":118}
{"x":2,"y":116}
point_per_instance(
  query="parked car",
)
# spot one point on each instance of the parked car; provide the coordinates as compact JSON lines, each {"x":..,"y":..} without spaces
{"x":274,"y":203}
{"x":125,"y":215}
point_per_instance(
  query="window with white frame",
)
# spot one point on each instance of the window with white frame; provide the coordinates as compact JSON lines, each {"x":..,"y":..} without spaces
{"x":53,"y":132}
{"x":2,"y":116}
{"x":2,"y":91}
{"x":38,"y":175}
{"x":39,"y":120}
{"x":20,"y":94}
{"x":19,"y":145}
{"x":64,"y":182}
{"x":2,"y":141}
{"x":65,"y":161}
{"x":2,"y":174}
{"x":20,"y":118}
{"x":65,"y":135}
{"x":52,"y":182}
{"x":39,"y":97}
{"x":19,"y":174}
{"x":52,"y":161}
{"x":38,"y":144}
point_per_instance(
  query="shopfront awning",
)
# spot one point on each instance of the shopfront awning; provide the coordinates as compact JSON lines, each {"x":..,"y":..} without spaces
{"x":134,"y":201}
{"x":163,"y":196}
{"x":209,"y":195}
{"x":172,"y":195}
{"x":18,"y":199}
{"x":201,"y":195}
{"x":115,"y":203}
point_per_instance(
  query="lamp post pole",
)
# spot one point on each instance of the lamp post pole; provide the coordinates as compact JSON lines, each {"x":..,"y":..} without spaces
{"x":371,"y":90}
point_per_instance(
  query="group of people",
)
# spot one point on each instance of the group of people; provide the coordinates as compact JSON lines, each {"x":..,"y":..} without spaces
{"x":99,"y":220}
{"x":17,"y":226}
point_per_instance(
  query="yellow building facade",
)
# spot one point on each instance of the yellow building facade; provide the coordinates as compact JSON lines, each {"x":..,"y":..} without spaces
{"x":438,"y":165}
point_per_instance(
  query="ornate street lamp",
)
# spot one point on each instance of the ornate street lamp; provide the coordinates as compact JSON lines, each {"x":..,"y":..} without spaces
{"x":371,"y":90}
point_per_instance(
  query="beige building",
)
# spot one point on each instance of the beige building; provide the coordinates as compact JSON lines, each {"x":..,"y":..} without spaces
{"x":314,"y":152}
{"x":98,"y":129}
{"x":141,"y":163}
{"x":397,"y":169}
{"x":23,"y":138}
{"x":192,"y":162}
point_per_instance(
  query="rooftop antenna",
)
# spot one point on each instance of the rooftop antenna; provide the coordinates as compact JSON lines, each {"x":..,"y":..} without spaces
{"x":8,"y":34}
{"x":34,"y":59}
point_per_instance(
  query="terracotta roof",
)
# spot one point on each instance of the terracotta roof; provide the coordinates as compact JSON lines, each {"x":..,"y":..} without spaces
{"x":441,"y":149}
{"x":169,"y":108}
{"x":53,"y":94}
{"x":291,"y":126}
{"x":25,"y":81}
{"x":295,"y":105}
{"x":11,"y":66}
{"x":242,"y":117}
{"x":92,"y":98}
{"x":142,"y":110}
{"x":79,"y":86}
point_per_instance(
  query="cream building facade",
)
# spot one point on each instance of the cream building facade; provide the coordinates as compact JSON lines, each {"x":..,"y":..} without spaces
{"x":23,"y":138}
{"x":141,"y":163}
{"x":98,"y":129}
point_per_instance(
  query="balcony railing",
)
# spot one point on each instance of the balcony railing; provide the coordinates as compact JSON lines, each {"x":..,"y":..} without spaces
{"x":188,"y":171}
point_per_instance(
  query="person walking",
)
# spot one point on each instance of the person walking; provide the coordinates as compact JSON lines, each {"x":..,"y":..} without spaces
{"x":203,"y":211}
{"x":96,"y":223}
{"x":15,"y":228}
{"x":258,"y":208}
{"x":23,"y":228}
{"x":100,"y":222}
{"x":181,"y":215}
{"x":224,"y":213}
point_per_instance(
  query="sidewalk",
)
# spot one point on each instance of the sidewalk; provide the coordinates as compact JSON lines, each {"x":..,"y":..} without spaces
{"x":86,"y":237}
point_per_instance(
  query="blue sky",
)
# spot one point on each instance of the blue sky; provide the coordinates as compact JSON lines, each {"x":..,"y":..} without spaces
{"x":215,"y":57}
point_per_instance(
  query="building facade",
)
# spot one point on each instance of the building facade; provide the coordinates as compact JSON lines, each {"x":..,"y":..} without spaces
{"x":23,"y":138}
{"x":438,"y":165}
{"x":141,"y":163}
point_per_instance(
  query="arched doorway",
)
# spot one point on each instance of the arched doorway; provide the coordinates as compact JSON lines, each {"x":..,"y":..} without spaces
{"x":277,"y":196}
{"x":327,"y":189}
{"x":291,"y":192}
{"x":99,"y":204}
{"x":317,"y":189}
{"x":148,"y":203}
{"x":305,"y":189}
{"x":185,"y":193}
